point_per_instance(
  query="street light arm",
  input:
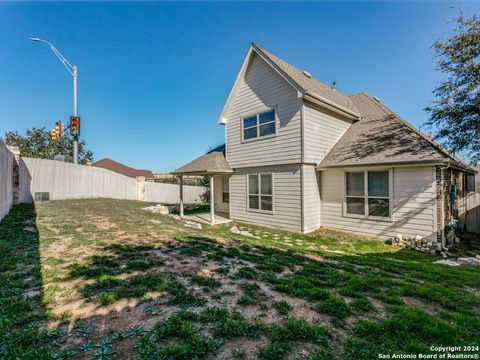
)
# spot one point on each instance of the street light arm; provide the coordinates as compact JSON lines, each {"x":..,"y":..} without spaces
{"x":64,"y":61}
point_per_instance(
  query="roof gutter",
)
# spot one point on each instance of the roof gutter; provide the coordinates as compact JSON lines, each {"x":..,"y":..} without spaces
{"x":448,"y":163}
{"x":390,"y":163}
{"x":458,"y":165}
{"x":330,"y":105}
{"x":203,"y":172}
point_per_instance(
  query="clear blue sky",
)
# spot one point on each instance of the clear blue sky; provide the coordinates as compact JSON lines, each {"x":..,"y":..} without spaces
{"x":153,"y":77}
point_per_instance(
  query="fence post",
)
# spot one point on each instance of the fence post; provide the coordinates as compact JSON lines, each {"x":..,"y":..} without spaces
{"x":141,"y":188}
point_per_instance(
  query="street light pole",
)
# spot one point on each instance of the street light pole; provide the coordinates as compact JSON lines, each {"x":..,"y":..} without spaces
{"x":73,"y":70}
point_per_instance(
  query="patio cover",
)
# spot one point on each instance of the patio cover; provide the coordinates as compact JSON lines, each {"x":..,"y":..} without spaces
{"x":210,"y":164}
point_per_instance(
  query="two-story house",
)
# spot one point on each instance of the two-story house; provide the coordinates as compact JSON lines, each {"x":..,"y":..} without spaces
{"x":300,"y":155}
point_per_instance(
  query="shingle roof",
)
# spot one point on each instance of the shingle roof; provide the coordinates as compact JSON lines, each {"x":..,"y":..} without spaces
{"x":310,"y":83}
{"x":114,"y":166}
{"x":382,"y":137}
{"x":211,"y":163}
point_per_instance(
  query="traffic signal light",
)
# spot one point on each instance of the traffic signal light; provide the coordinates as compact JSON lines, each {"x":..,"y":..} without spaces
{"x":58,"y":128}
{"x":74,"y":126}
{"x":56,"y":131}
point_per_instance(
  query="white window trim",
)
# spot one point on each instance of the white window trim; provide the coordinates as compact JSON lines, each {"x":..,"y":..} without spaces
{"x":257,"y":113}
{"x":271,"y":212}
{"x":365,"y":196}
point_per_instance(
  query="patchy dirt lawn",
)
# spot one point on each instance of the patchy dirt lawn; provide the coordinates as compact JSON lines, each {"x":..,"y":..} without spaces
{"x":103,"y":279}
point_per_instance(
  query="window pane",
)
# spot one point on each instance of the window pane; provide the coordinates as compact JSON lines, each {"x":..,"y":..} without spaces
{"x":378,"y":183}
{"x":267,"y":203}
{"x":355,"y":184}
{"x":266,"y":117}
{"x":250,"y":121}
{"x":225,"y":184}
{"x":226,"y":197}
{"x":253,"y":184}
{"x":267,"y":129}
{"x":250,"y":133}
{"x":253,"y":201}
{"x":470,"y":183}
{"x":356,"y":206}
{"x":266,"y":184}
{"x":378,"y":207}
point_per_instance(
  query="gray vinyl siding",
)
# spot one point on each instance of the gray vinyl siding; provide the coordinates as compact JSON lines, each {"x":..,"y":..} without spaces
{"x":262,"y":89}
{"x":413,"y":205}
{"x":322,"y":130}
{"x":311,"y":198}
{"x":287,"y":197}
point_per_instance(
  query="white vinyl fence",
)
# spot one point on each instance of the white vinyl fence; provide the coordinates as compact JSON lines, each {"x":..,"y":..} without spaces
{"x":170,"y":193}
{"x":6,"y":182}
{"x":70,"y":181}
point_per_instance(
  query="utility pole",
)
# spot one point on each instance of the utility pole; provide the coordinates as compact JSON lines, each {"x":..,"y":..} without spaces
{"x":73,"y":70}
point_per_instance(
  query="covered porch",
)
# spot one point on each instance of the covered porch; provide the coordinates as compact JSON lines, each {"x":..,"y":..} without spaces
{"x":214,"y":165}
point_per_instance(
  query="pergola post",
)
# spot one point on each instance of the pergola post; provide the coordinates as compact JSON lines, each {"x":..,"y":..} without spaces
{"x":181,"y":195}
{"x":212,"y":201}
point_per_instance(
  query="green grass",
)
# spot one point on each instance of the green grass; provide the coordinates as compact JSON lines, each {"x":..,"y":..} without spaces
{"x":107,"y":289}
{"x":363,"y":286}
{"x":246,"y":273}
{"x":334,"y":306}
{"x":182,"y":296}
{"x":207,"y":282}
{"x":292,"y":331}
{"x":282,"y":307}
{"x":190,"y":343}
{"x":252,"y":295}
{"x":362,"y":304}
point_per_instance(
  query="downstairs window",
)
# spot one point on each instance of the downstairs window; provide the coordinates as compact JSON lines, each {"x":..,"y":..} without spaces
{"x":260,"y":192}
{"x":368,"y":193}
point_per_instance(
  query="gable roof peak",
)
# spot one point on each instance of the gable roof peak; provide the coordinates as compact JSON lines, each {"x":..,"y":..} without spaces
{"x":310,"y":88}
{"x":308,"y":84}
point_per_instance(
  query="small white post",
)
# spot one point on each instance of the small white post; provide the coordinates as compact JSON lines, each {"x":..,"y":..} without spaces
{"x":212,"y":201}
{"x":181,"y":196}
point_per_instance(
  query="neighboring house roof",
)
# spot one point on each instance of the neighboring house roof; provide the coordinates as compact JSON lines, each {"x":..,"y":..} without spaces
{"x":122,"y":169}
{"x":309,"y":87}
{"x":212,"y":163}
{"x":382,"y":137}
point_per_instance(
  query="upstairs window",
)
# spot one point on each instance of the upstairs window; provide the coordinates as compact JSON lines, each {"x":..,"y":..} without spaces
{"x":260,"y":192}
{"x":368,"y":193}
{"x":259,"y":125}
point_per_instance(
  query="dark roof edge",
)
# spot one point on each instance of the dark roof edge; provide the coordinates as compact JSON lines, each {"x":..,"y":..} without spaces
{"x":203,"y":172}
{"x":384,"y":163}
{"x":446,"y":162}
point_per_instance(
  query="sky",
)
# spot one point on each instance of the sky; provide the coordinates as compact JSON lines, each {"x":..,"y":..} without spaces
{"x":153,"y":76}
